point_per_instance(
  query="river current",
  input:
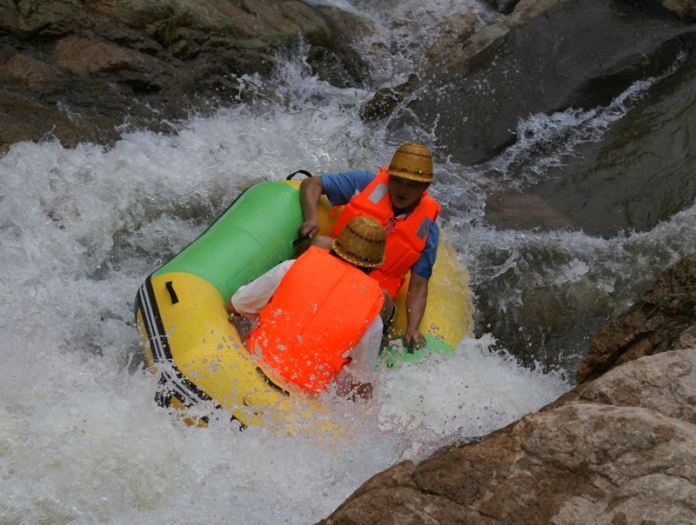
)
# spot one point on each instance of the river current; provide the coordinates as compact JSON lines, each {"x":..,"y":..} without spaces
{"x":81,"y":440}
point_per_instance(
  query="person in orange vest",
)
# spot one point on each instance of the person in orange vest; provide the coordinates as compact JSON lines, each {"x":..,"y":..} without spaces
{"x":398,"y":198}
{"x":318,"y":316}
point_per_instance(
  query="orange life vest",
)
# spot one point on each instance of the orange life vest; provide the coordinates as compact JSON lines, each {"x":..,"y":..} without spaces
{"x":405,"y":242}
{"x":319,"y":312}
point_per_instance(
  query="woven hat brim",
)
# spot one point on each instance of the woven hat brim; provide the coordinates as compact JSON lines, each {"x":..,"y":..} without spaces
{"x":354,"y":259}
{"x":410,"y":176}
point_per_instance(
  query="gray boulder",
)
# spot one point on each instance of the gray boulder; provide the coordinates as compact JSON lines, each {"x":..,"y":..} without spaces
{"x":577,"y":53}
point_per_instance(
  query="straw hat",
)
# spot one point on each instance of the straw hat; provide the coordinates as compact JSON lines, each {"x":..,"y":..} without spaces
{"x":412,"y":161}
{"x":361,"y":242}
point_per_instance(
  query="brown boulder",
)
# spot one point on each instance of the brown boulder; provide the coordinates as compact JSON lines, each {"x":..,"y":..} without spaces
{"x":26,"y":69}
{"x":685,"y":9}
{"x":662,"y":319}
{"x":87,"y":67}
{"x":620,"y":450}
{"x":83,"y":56}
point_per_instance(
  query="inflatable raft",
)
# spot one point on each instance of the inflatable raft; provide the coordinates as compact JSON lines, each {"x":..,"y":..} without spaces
{"x":197,"y":353}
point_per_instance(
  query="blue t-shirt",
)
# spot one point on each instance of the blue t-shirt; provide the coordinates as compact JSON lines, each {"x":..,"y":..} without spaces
{"x":341,"y":187}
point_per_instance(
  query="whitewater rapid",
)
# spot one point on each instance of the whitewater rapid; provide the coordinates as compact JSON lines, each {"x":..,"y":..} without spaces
{"x":81,"y":439}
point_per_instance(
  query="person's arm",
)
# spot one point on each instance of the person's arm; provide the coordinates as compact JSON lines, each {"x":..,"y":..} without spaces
{"x":355,"y":378}
{"x":416,"y":299}
{"x":252,"y":297}
{"x":311,"y":190}
{"x":339,"y":188}
{"x":417,"y":296}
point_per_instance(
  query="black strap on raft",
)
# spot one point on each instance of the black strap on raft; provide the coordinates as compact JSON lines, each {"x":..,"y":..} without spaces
{"x":303,"y":172}
{"x":300,"y":239}
{"x":172,"y":293}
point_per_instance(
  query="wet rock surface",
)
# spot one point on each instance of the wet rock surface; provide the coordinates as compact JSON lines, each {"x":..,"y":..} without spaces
{"x":550,"y":63}
{"x":619,"y":448}
{"x":627,"y":180}
{"x":662,"y":319}
{"x":87,"y":71}
{"x":685,"y":9}
{"x":619,"y":451}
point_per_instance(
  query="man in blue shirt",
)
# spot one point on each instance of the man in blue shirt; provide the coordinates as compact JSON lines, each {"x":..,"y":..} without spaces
{"x":402,"y":189}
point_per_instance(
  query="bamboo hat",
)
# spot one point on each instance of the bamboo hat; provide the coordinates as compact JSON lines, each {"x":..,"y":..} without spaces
{"x":413,"y":162}
{"x":361,"y":242}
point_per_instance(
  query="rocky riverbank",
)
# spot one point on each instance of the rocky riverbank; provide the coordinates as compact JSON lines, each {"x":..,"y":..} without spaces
{"x":90,"y":70}
{"x":620,"y":448}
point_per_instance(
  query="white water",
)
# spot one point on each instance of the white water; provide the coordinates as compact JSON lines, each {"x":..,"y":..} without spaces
{"x":81,"y":439}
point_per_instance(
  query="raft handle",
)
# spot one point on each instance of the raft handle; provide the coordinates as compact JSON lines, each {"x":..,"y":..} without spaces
{"x":300,"y":239}
{"x":303,"y":172}
{"x":172,"y":293}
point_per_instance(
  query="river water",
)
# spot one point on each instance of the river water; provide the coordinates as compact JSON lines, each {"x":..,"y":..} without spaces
{"x":81,"y":440}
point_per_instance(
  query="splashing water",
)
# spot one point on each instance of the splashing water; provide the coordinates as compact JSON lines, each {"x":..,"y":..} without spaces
{"x":82,"y":441}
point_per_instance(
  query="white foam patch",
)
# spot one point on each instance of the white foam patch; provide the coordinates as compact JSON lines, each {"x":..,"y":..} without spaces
{"x":83,"y":441}
{"x":464,"y":395}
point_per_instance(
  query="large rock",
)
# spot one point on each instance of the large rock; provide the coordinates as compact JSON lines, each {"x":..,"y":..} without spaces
{"x":552,"y":62}
{"x":76,"y":70}
{"x":663,"y":383}
{"x":622,"y":449}
{"x":639,"y":174}
{"x":662,"y":319}
{"x":685,"y":9}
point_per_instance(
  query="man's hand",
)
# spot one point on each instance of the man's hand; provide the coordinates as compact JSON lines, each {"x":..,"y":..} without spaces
{"x":310,"y":227}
